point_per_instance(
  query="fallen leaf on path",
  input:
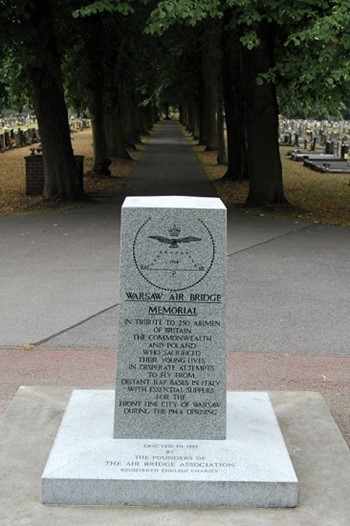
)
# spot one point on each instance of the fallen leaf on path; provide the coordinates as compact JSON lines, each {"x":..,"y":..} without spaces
{"x":27,"y":347}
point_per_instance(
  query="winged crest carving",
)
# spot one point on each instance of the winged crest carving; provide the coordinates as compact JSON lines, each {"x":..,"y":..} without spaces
{"x":174,"y":242}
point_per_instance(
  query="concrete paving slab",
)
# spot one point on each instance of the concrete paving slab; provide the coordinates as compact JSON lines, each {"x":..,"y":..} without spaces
{"x":319,"y":454}
{"x":287,"y":291}
{"x":56,"y":270}
{"x":98,"y":331}
{"x":245,"y":230}
{"x":291,"y":293}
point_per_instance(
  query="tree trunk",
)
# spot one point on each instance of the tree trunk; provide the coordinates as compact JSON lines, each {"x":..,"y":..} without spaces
{"x":222,"y":156}
{"x":94,"y":47}
{"x":265,"y":170}
{"x":209,"y":84}
{"x":201,"y":114}
{"x":142,"y":121}
{"x":193,"y":125}
{"x":118,"y":118}
{"x":101,"y":161}
{"x":167,"y":111}
{"x":114,"y":133}
{"x":209,"y":120}
{"x":61,"y":175}
{"x":235,"y":105}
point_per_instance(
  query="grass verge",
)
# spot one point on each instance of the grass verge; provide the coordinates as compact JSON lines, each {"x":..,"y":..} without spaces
{"x":14,"y":201}
{"x":314,"y":197}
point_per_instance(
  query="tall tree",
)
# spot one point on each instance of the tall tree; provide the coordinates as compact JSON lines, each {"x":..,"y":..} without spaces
{"x":31,"y":26}
{"x":84,"y":73}
{"x":121,"y":62}
{"x":251,"y":76}
{"x":251,"y":103}
{"x":210,"y":67}
{"x":264,"y":164}
{"x":235,"y":100}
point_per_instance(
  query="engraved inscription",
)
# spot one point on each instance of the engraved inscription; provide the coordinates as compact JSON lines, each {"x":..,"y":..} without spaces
{"x":171,"y":360}
{"x":172,"y":262}
{"x":171,"y":458}
{"x":171,"y":371}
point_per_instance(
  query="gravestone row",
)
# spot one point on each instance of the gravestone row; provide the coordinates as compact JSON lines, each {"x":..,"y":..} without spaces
{"x":16,"y":139}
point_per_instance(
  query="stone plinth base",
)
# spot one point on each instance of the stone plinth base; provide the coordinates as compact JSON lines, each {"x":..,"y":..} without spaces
{"x":251,"y":468}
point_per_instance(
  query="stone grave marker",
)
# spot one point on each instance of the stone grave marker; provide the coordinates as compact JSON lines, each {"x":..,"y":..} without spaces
{"x":178,"y":438}
{"x":17,"y":139}
{"x":6,"y":139}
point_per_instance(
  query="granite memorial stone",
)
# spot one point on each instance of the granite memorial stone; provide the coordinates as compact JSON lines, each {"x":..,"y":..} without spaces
{"x":179,"y":438}
{"x":171,"y":374}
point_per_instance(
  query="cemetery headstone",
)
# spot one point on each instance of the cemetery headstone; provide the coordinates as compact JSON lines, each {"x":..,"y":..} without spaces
{"x":28,"y":136}
{"x":17,"y":141}
{"x":22,"y":138}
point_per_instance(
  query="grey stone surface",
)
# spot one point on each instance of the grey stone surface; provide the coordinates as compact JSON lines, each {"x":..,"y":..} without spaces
{"x":251,"y":468}
{"x":171,"y":380}
{"x":57,"y":270}
{"x":318,"y":451}
{"x":290,"y":293}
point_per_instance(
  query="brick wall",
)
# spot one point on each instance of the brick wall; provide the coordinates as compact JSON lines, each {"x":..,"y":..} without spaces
{"x":35,"y":173}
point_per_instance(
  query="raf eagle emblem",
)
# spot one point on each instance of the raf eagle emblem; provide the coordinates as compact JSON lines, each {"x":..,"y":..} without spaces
{"x":174,"y":241}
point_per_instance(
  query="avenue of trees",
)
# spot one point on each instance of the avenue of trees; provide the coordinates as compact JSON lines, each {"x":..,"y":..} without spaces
{"x":124,"y":61}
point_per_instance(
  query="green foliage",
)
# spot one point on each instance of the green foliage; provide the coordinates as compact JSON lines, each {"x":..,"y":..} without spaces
{"x":190,"y":12}
{"x":14,"y":92}
{"x":76,"y":74}
{"x":105,"y":6}
{"x":250,"y":40}
{"x":312,"y":53}
{"x":314,"y":63}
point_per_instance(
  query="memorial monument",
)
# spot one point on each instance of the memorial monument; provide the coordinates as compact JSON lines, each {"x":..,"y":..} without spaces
{"x":170,"y":434}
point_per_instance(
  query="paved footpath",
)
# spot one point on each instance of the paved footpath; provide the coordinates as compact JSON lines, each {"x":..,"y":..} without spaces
{"x":288,"y":292}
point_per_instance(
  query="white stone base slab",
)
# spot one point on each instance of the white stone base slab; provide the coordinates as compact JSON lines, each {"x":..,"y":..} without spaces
{"x":251,"y":468}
